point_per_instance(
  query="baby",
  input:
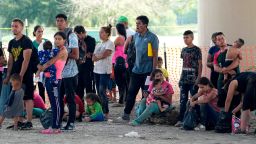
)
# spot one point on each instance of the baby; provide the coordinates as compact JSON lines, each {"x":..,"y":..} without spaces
{"x":233,"y":54}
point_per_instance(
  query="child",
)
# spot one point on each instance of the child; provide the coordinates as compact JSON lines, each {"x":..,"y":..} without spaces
{"x":157,"y":91}
{"x":233,"y":54}
{"x":39,"y":105}
{"x":14,"y":107}
{"x":79,"y":108}
{"x":159,"y":65}
{"x":191,"y":73}
{"x":93,"y":108}
{"x":44,"y":56}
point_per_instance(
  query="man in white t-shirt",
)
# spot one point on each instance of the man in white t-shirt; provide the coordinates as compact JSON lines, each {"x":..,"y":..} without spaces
{"x":124,"y":21}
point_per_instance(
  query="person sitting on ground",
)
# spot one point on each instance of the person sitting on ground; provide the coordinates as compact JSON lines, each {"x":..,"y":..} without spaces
{"x":207,"y":98}
{"x":44,"y":56}
{"x":93,"y":108}
{"x":15,"y":105}
{"x":159,"y":65}
{"x":39,"y":105}
{"x":144,"y":111}
{"x":233,"y":54}
{"x":153,"y":96}
{"x":79,"y":108}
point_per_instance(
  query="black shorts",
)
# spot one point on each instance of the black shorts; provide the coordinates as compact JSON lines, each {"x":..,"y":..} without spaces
{"x":249,"y":101}
{"x":28,"y":86}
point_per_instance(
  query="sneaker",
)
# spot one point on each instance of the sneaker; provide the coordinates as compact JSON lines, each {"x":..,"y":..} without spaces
{"x":178,"y":124}
{"x":126,"y":117}
{"x":50,"y":131}
{"x":134,"y":123}
{"x":70,"y":127}
{"x":20,"y":125}
{"x":202,"y":127}
{"x":27,"y":126}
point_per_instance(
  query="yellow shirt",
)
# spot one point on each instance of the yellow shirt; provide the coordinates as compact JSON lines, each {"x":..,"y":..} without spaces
{"x":165,"y":72}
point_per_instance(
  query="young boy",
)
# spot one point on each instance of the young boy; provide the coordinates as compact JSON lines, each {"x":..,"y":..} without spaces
{"x":14,"y":106}
{"x":233,"y":54}
{"x":191,"y":72}
{"x":159,"y":65}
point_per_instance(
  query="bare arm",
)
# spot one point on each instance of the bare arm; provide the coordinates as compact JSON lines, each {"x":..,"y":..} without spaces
{"x":231,"y":91}
{"x":105,"y":54}
{"x":209,"y":61}
{"x":74,"y":54}
{"x":217,"y":68}
{"x":62,"y":54}
{"x":26,"y":58}
{"x":233,"y":65}
{"x":127,"y":42}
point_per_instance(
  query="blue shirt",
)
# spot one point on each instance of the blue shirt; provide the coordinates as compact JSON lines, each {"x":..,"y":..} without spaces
{"x":213,"y":50}
{"x":144,"y":63}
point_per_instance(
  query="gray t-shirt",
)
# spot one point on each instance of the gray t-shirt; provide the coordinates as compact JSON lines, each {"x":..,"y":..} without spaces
{"x":144,"y":46}
{"x":70,"y":69}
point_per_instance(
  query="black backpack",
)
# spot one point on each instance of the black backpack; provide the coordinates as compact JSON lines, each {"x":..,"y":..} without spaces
{"x":131,"y":53}
{"x":46,"y":118}
{"x":120,"y":65}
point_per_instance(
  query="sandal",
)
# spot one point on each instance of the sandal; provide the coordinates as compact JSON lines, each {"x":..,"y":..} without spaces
{"x":50,"y":131}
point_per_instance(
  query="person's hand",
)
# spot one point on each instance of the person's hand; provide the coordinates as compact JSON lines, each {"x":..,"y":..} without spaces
{"x":21,"y":77}
{"x":40,"y":67}
{"x":88,"y":55}
{"x":224,"y":70}
{"x":87,"y":119}
{"x":6,"y":80}
{"x":192,"y":104}
{"x":145,"y":94}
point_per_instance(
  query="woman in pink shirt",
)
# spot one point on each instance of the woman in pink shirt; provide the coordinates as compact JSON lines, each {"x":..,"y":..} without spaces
{"x":207,"y":98}
{"x":120,"y":64}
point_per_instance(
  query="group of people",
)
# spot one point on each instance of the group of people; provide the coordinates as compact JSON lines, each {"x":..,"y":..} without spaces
{"x":77,"y":68}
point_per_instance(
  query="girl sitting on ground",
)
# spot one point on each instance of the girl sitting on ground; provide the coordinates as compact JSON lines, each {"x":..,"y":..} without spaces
{"x":93,"y":108}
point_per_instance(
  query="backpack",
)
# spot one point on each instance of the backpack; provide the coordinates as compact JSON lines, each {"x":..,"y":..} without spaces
{"x":189,"y":121}
{"x":131,"y":54}
{"x":46,"y":118}
{"x":120,"y":65}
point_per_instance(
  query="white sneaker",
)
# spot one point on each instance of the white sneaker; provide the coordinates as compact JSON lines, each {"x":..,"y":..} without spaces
{"x":200,"y":127}
{"x":178,"y":124}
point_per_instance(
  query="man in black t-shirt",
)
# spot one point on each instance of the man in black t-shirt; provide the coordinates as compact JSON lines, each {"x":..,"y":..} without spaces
{"x":85,"y":65}
{"x":20,"y":50}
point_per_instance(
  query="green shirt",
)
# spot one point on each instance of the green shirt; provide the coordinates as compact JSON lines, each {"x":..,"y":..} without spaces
{"x":94,"y":110}
{"x":36,"y":44}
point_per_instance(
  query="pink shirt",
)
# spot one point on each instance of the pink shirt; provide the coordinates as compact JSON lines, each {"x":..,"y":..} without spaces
{"x":38,"y":101}
{"x":214,"y":101}
{"x":166,"y":88}
{"x":59,"y":64}
{"x":119,"y":52}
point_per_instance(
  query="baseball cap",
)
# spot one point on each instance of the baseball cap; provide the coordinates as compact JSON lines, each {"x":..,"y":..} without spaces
{"x":122,"y":19}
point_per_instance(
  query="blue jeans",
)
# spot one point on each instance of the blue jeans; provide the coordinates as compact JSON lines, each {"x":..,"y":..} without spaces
{"x":137,"y":81}
{"x":208,"y":115}
{"x":143,"y":111}
{"x":102,"y":81}
{"x":56,"y":102}
{"x":184,"y":90}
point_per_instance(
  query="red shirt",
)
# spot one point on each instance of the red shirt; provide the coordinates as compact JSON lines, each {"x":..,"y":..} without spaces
{"x":38,"y":101}
{"x":79,"y":102}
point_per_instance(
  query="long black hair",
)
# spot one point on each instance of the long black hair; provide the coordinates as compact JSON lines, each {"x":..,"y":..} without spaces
{"x":121,"y":29}
{"x":93,"y":97}
{"x":153,"y":74}
{"x":205,"y":81}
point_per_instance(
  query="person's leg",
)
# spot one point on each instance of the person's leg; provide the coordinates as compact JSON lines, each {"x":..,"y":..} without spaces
{"x":53,"y":102}
{"x":159,"y":103}
{"x":15,"y":123}
{"x":245,"y":118}
{"x":1,"y":120}
{"x":141,"y":107}
{"x":136,"y":82}
{"x":103,"y":84}
{"x":41,"y":89}
{"x":183,"y":101}
{"x":61,"y":93}
{"x":88,"y":74}
{"x":150,"y":109}
{"x":97,"y":82}
{"x":29,"y":109}
{"x":37,"y":112}
{"x":70,"y":85}
{"x":193,"y":90}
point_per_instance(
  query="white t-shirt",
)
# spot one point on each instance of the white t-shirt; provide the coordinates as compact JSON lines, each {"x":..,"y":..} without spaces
{"x":104,"y":66}
{"x":129,"y":32}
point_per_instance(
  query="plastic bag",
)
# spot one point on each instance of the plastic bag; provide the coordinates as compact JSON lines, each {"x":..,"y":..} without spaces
{"x":46,"y":118}
{"x":189,"y":121}
{"x":235,"y":124}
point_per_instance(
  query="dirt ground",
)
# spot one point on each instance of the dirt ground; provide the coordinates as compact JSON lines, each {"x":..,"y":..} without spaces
{"x":112,"y":132}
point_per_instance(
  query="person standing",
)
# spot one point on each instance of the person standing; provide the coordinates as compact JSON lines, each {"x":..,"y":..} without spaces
{"x":20,"y":50}
{"x":191,"y":72}
{"x":70,"y":71}
{"x":102,"y":57}
{"x":85,"y":63}
{"x":124,"y":20}
{"x":146,"y":44}
{"x":214,"y":75}
{"x":38,"y":33}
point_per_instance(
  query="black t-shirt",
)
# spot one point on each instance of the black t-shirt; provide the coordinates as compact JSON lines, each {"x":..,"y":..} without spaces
{"x":243,"y":79}
{"x":90,"y":46}
{"x":16,"y":48}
